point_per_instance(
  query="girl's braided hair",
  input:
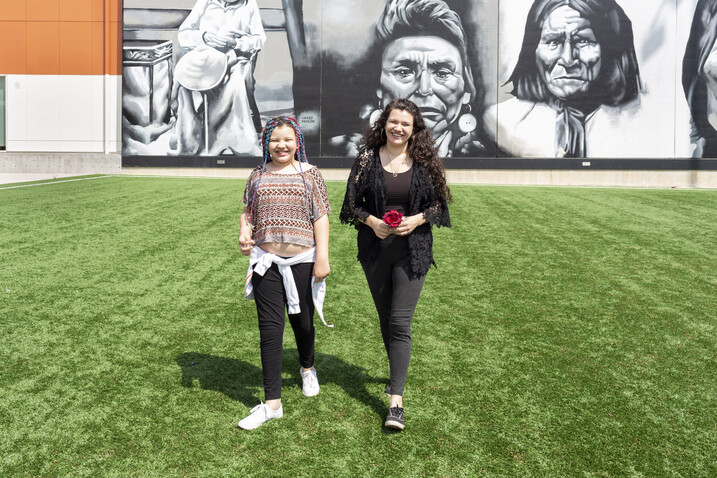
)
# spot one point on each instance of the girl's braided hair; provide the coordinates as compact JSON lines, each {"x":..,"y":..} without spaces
{"x":299,"y":155}
{"x":274,"y":123}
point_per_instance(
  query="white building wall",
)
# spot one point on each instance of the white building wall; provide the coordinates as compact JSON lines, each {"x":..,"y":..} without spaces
{"x":63,"y":113}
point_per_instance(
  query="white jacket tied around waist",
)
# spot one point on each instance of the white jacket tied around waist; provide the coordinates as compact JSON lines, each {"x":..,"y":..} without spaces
{"x":260,"y":261}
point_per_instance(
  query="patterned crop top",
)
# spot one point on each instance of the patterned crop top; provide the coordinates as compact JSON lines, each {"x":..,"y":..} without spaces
{"x":281,"y":205}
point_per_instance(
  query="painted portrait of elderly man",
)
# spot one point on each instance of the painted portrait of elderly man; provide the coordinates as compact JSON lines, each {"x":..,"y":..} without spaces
{"x":575,"y":82}
{"x":420,"y":51}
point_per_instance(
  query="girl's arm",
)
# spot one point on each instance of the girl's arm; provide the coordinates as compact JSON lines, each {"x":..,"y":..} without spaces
{"x":321,"y":236}
{"x":245,"y":240}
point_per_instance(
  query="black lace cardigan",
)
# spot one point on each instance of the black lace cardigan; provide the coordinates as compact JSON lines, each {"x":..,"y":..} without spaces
{"x":366,"y":195}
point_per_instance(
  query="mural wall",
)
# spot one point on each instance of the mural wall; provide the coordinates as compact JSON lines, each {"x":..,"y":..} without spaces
{"x":494,"y":79}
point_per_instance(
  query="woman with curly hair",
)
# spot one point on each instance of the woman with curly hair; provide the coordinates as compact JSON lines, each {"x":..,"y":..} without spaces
{"x":396,"y":191}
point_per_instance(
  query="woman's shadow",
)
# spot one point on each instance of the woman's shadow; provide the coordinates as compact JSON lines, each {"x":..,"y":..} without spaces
{"x":243,"y":381}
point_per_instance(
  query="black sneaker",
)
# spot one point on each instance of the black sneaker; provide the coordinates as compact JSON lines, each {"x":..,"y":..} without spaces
{"x":387,"y":390}
{"x":394,"y":419}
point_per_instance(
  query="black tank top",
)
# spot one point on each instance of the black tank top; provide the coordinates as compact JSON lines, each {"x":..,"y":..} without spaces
{"x":397,"y":190}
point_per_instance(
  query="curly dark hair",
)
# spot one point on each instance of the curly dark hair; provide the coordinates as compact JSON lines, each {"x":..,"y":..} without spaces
{"x":421,"y":147}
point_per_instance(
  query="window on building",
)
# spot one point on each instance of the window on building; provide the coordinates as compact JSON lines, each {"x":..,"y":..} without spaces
{"x":2,"y":112}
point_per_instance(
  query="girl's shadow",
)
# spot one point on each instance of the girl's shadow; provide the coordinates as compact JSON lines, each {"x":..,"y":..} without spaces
{"x":243,"y":381}
{"x":235,"y":379}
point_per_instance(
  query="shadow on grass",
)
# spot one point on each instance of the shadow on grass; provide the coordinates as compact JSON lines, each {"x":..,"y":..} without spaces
{"x":240,"y":380}
{"x":352,"y":379}
{"x":235,"y":379}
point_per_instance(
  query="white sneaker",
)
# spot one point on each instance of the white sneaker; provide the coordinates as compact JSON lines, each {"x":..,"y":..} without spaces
{"x":309,"y":382}
{"x":259,"y":415}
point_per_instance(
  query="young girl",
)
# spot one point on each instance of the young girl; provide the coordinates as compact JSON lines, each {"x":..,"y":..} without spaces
{"x":285,"y":231}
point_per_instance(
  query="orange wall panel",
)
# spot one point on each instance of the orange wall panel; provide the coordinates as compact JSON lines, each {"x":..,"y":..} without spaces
{"x":43,"y":48}
{"x":113,"y":10}
{"x":98,"y":48}
{"x":113,"y":43}
{"x":13,"y":10}
{"x":76,"y":48}
{"x":13,"y":61}
{"x":98,"y":10}
{"x":76,"y":10}
{"x":68,"y":37}
{"x":43,"y":10}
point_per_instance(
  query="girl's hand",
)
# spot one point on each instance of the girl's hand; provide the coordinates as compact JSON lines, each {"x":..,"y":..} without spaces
{"x":245,"y":243}
{"x":321,"y":270}
{"x":408,"y":224}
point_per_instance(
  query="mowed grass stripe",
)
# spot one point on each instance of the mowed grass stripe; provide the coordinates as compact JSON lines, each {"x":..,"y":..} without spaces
{"x":565,"y":332}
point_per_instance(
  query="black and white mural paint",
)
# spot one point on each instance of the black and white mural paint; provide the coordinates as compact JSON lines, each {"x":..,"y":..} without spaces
{"x":216,"y":108}
{"x":428,"y":51}
{"x":508,"y":78}
{"x":588,"y":79}
{"x":575,"y":81}
{"x":699,"y":78}
{"x":200,"y":77}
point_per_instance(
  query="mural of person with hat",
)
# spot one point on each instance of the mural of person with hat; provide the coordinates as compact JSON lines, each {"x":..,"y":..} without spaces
{"x":216,"y":109}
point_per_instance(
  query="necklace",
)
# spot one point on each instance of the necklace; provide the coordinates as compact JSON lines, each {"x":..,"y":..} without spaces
{"x":390,"y":161}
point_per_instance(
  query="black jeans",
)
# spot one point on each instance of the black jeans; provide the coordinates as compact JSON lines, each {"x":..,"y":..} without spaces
{"x":395,"y":296}
{"x":270,"y":299}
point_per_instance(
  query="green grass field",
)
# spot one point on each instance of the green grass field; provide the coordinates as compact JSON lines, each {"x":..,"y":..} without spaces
{"x":566,"y":332}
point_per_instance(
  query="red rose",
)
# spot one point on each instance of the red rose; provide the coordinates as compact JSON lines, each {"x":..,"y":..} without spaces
{"x":392,"y":218}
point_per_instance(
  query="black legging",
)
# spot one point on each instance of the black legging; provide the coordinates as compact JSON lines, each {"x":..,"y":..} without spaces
{"x":270,"y":300}
{"x":395,"y":296}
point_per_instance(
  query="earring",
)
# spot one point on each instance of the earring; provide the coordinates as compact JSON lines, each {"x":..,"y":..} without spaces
{"x":371,"y":113}
{"x":383,"y":135}
{"x":375,"y":114}
{"x":467,"y":123}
